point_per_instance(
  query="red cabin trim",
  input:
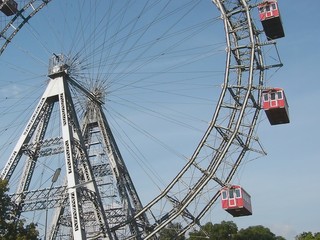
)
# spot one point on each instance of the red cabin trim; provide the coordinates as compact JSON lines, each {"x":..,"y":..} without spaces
{"x":268,"y":9}
{"x":271,"y":19}
{"x":275,"y":104}
{"x":236,"y":201}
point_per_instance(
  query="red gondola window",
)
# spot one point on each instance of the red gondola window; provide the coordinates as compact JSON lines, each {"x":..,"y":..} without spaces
{"x":272,"y":96}
{"x":268,"y":8}
{"x":231,"y":193}
{"x":237,"y":193}
{"x":261,"y":9}
{"x":224,"y":195}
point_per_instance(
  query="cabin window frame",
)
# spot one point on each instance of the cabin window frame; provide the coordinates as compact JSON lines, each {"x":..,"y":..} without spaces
{"x":268,"y":8}
{"x":238,"y":193}
{"x":280,"y":95}
{"x":231,"y":193}
{"x":262,"y":9}
{"x":273,"y":96}
{"x":224,"y":195}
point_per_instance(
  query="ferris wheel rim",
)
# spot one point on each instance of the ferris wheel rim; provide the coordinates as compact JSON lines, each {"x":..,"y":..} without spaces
{"x":225,"y":15}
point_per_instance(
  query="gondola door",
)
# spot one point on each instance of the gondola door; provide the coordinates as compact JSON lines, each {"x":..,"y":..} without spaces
{"x":273,"y":99}
{"x":232,"y":198}
{"x":269,"y":12}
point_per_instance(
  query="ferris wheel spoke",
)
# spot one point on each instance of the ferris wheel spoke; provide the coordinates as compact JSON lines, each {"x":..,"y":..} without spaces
{"x":140,"y":77}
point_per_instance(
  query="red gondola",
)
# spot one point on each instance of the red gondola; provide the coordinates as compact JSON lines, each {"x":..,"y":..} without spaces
{"x":9,"y":7}
{"x":236,"y":201}
{"x":271,"y":20}
{"x":275,"y":106}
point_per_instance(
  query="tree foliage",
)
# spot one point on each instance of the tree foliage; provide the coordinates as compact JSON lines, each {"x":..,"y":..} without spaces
{"x":12,"y":228}
{"x":229,"y":231}
{"x":256,"y":233}
{"x":224,"y":230}
{"x":308,"y":236}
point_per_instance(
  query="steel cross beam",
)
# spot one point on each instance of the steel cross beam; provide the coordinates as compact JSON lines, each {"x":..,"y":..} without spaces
{"x":95,"y":118}
{"x":80,"y":182}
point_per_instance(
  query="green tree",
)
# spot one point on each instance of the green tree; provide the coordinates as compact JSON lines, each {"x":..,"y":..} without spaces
{"x":226,"y":230}
{"x":308,"y":236}
{"x":171,"y":232}
{"x":10,"y":227}
{"x":257,"y":233}
{"x":5,"y":205}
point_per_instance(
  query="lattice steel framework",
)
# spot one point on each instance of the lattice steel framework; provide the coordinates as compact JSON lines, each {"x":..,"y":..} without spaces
{"x":190,"y":195}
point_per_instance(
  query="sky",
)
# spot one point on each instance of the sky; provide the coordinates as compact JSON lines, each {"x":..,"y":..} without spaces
{"x":283,"y":184}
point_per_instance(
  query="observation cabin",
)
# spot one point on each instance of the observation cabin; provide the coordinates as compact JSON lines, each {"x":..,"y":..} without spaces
{"x":275,"y":105}
{"x":9,"y":7}
{"x":271,"y":19}
{"x":236,"y":201}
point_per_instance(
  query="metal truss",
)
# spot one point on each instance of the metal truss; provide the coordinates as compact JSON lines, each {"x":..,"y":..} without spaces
{"x":99,"y":198}
{"x":80,"y":190}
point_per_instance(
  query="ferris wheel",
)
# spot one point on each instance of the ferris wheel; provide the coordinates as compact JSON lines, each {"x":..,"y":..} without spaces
{"x":121,"y":117}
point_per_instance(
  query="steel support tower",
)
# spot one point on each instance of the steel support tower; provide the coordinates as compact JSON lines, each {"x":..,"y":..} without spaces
{"x":97,"y":195}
